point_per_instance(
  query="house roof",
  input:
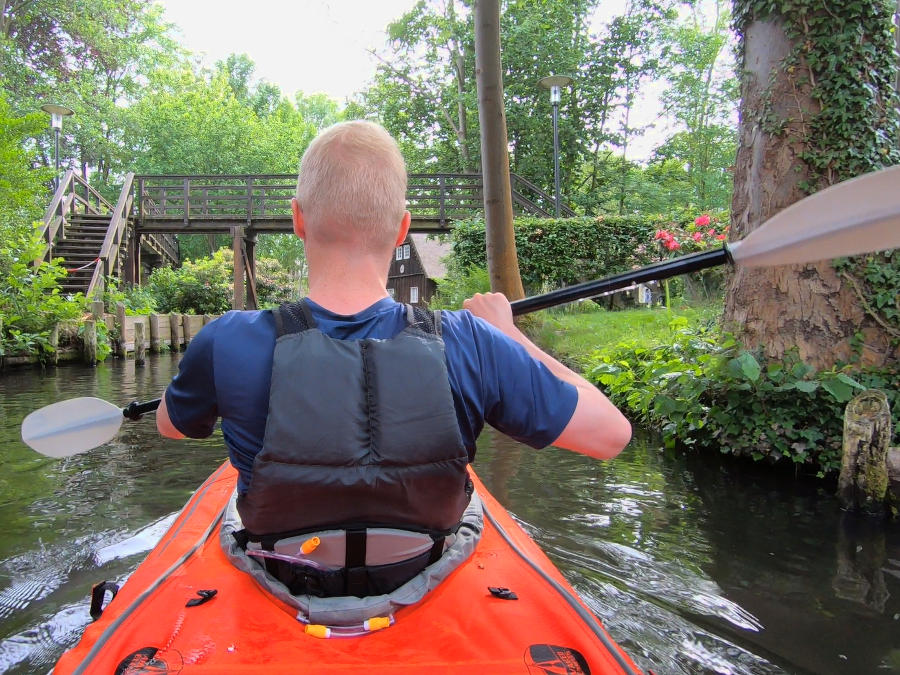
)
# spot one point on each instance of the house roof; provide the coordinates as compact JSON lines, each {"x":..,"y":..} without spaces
{"x":432,"y":253}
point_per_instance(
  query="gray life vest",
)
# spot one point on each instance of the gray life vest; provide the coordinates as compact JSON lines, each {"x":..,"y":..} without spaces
{"x":360,"y":434}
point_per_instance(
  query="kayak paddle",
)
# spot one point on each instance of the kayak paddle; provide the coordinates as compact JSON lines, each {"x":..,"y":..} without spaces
{"x":856,"y":216}
{"x":860,"y":215}
{"x":70,"y":427}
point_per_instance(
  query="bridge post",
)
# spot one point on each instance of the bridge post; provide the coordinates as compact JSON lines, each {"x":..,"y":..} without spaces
{"x":237,"y":245}
{"x":133,"y":259}
{"x":250,"y":265}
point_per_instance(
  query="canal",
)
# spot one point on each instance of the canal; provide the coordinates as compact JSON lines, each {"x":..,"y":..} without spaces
{"x":695,"y":565}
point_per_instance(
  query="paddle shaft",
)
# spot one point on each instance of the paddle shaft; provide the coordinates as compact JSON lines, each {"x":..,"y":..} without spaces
{"x":656,"y":272}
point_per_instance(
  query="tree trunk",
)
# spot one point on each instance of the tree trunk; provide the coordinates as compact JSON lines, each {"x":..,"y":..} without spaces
{"x":503,"y":264}
{"x":808,"y":307}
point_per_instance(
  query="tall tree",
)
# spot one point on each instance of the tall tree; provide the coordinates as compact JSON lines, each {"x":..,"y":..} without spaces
{"x":818,"y":106}
{"x":503,"y":263}
{"x":702,"y":97}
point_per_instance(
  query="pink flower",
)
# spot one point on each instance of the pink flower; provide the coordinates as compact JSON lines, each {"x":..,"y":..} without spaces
{"x":672,"y":245}
{"x":660,"y":234}
{"x":721,"y":237}
{"x":697,"y":236}
{"x":711,"y":233}
{"x":702,"y":221}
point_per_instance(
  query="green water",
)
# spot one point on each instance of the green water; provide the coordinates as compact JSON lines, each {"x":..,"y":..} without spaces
{"x":695,"y":565}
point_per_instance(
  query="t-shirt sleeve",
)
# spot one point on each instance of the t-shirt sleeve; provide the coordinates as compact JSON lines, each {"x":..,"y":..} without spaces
{"x":191,"y":395}
{"x":513,"y":392}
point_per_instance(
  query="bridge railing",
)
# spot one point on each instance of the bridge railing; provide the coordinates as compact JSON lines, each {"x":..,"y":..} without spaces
{"x":180,"y":202}
{"x":72,"y":195}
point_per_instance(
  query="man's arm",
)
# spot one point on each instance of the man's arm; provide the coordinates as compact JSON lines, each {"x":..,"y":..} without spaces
{"x":164,"y":423}
{"x":596,"y":428}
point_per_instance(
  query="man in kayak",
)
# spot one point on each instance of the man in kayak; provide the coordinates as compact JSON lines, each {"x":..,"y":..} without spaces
{"x":364,"y":412}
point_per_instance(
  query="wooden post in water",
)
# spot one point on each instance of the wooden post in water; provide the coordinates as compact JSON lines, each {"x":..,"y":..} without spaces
{"x":90,"y":342}
{"x":139,"y":347}
{"x":121,"y":350}
{"x":175,"y":330}
{"x":186,"y":327}
{"x":53,"y":341}
{"x":154,"y":334}
{"x":863,"y":482}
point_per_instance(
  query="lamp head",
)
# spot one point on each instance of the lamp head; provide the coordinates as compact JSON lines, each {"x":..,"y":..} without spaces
{"x":57,"y":112}
{"x":555,"y":83}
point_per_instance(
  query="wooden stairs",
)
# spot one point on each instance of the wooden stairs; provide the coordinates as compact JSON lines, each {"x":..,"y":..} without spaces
{"x":80,"y":249}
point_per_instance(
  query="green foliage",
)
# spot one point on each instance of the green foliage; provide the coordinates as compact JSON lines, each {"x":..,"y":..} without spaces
{"x":700,"y":389}
{"x":460,"y":284}
{"x":847,"y":65}
{"x":566,"y":251}
{"x":200,"y":287}
{"x":138,"y":300}
{"x":30,"y":301}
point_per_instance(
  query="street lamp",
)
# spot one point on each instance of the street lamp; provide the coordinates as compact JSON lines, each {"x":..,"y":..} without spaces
{"x":57,"y":112}
{"x":554,"y":83}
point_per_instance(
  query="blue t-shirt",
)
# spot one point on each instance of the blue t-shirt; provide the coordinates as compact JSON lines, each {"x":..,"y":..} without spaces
{"x":227,"y":368}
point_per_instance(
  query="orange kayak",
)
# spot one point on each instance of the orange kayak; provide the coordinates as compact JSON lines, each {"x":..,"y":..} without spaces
{"x":460,"y":627}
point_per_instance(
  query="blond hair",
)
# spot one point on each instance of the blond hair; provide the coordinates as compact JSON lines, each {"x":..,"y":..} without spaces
{"x":352,"y":185}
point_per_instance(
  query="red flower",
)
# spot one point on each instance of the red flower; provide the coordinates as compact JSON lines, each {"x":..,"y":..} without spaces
{"x":702,"y":221}
{"x":660,"y":234}
{"x":697,"y":236}
{"x":672,"y":245}
{"x":721,"y":237}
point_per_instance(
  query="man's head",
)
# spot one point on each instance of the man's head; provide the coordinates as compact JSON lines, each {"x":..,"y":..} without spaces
{"x":352,"y":187}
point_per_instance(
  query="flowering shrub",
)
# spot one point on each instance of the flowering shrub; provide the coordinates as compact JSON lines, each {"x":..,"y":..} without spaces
{"x":691,"y":234}
{"x":705,"y":231}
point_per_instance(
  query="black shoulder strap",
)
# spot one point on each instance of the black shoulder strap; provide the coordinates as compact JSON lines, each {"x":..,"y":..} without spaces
{"x":293,"y":317}
{"x":426,"y":320}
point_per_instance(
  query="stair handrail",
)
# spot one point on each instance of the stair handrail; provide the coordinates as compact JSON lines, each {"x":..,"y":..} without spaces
{"x":112,"y":242}
{"x":62,"y":204}
{"x":564,"y":210}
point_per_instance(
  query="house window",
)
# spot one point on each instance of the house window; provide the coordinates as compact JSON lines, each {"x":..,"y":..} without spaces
{"x":399,"y":253}
{"x":413,"y":294}
{"x":406,"y":251}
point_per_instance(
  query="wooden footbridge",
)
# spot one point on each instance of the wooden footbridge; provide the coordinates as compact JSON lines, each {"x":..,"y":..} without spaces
{"x":99,"y":240}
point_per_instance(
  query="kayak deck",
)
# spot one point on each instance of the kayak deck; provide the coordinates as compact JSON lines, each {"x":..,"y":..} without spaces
{"x":459,"y":627}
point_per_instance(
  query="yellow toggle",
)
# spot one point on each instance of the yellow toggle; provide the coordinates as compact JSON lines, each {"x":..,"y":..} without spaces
{"x":377,"y":623}
{"x":310,"y":545}
{"x":317,"y":630}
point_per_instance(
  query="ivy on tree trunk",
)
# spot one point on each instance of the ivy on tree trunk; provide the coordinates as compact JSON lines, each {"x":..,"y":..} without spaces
{"x":818,"y":107}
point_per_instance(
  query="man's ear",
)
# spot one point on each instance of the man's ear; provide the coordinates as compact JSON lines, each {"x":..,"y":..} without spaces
{"x":404,"y":228}
{"x":297,"y":217}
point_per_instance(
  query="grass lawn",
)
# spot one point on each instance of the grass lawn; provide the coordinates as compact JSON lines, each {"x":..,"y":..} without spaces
{"x":571,"y":333}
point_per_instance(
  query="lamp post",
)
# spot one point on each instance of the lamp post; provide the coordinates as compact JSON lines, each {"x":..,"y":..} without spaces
{"x":554,"y":83}
{"x":57,"y":112}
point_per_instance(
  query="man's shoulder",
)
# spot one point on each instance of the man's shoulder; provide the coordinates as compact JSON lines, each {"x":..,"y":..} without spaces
{"x":239,"y":326}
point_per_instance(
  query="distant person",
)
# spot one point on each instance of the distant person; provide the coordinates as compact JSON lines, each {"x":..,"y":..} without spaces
{"x":349,"y":412}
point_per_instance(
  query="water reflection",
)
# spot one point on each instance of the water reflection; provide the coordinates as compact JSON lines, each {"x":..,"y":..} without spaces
{"x":695,"y":565}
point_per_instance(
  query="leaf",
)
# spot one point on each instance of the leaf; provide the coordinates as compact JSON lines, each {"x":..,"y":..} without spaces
{"x":747,"y":366}
{"x":841,"y":391}
{"x":806,"y":386}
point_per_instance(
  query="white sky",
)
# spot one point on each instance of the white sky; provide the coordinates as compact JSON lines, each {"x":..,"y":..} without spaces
{"x":305,"y":45}
{"x":322,"y":45}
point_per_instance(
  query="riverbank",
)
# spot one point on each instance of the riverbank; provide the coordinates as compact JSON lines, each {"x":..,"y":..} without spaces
{"x":672,"y":371}
{"x":101,"y":333}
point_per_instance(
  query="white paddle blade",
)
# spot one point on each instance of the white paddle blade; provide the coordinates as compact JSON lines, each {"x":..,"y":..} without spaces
{"x":860,"y":215}
{"x":70,"y":427}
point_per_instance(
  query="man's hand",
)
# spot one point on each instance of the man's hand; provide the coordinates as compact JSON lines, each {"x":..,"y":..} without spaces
{"x":493,"y":308}
{"x":597,"y":428}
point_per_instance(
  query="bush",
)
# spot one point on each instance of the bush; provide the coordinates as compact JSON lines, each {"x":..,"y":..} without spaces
{"x":703,"y":390}
{"x":555,"y":253}
{"x":459,"y":285}
{"x":30,"y":301}
{"x":201,"y":287}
